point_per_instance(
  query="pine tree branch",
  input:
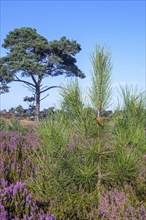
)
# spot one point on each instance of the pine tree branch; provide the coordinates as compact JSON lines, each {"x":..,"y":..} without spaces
{"x":51,"y":87}
{"x":34,"y":80}
{"x":23,"y":81}
{"x":44,"y":97}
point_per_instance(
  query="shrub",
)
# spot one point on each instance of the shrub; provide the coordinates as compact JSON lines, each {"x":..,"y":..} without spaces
{"x":12,"y":125}
{"x":129,"y":126}
{"x":115,"y":205}
{"x":4,"y":125}
{"x":128,"y":139}
{"x":123,"y":167}
{"x":15,"y":126}
{"x":70,"y":169}
{"x":16,"y":203}
{"x":14,"y":150}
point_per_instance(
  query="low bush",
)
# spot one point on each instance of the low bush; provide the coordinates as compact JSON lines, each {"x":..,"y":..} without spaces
{"x":12,"y":124}
{"x":116,"y":205}
{"x":17,"y":203}
{"x":14,"y":151}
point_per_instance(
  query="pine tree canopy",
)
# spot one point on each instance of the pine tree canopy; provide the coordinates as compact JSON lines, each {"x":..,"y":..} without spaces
{"x":31,"y":54}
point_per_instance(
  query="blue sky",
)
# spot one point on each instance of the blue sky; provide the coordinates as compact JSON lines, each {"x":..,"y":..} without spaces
{"x":118,"y":24}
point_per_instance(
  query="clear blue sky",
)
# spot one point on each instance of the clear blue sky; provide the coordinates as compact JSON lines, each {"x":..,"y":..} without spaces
{"x":118,"y":24}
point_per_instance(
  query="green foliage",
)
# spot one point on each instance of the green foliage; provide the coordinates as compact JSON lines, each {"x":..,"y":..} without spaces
{"x":72,"y":99}
{"x":4,"y":126}
{"x":77,"y":160}
{"x":86,"y":125}
{"x":100,"y":90}
{"x":28,"y":51}
{"x":12,"y":110}
{"x":128,"y":139}
{"x":83,"y":118}
{"x":16,"y":126}
{"x":12,"y":125}
{"x":19,"y":109}
{"x":140,"y":184}
{"x":123,"y":167}
{"x":70,"y":168}
{"x":129,"y":126}
{"x":3,"y":86}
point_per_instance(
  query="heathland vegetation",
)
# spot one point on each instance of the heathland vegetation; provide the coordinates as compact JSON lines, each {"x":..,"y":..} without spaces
{"x":80,"y":162}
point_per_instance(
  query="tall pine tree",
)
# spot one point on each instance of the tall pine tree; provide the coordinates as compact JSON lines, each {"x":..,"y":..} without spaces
{"x":31,"y":58}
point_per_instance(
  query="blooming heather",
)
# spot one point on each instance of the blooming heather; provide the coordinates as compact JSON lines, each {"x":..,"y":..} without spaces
{"x":17,"y":203}
{"x":116,"y":206}
{"x":14,"y":150}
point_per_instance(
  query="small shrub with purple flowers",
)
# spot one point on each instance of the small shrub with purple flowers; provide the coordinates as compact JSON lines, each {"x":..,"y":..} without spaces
{"x":16,"y":203}
{"x":14,"y":150}
{"x":115,"y":205}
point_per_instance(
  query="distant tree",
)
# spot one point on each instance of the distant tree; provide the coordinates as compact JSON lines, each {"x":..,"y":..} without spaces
{"x":47,"y":112}
{"x":19,"y":109}
{"x":12,"y":110}
{"x":4,"y":111}
{"x":31,"y":58}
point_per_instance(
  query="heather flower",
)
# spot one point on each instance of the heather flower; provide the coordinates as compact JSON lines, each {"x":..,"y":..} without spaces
{"x":16,"y":203}
{"x":115,"y":205}
{"x":14,"y":150}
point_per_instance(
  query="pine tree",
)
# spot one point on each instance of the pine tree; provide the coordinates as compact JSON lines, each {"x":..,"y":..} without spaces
{"x":31,"y":58}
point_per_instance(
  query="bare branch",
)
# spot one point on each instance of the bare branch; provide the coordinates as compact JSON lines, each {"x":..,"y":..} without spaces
{"x":23,"y":81}
{"x":51,"y":87}
{"x":33,"y":78}
{"x":44,"y":97}
{"x":30,"y":88}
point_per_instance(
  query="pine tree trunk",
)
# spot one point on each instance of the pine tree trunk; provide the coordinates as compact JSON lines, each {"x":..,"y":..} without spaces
{"x":37,"y":107}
